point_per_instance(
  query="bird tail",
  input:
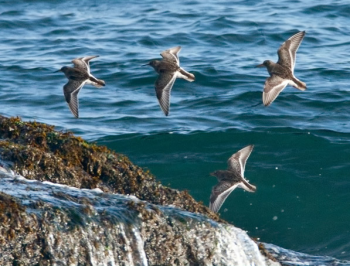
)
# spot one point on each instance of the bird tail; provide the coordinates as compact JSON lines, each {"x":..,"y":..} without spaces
{"x":299,"y":84}
{"x":182,"y":73}
{"x":96,"y":82}
{"x":246,"y":186}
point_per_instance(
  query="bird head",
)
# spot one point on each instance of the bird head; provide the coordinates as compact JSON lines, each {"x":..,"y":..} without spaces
{"x":215,"y":173}
{"x":62,"y":69}
{"x":266,"y":64}
{"x":152,"y":63}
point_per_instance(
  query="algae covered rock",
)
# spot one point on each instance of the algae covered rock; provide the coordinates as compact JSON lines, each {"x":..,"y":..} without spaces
{"x":95,"y":207}
{"x":39,"y":152}
{"x":43,"y":223}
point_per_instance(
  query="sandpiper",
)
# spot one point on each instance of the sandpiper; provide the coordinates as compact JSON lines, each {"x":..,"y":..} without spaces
{"x":77,"y":77}
{"x":231,"y":178}
{"x":282,"y":72}
{"x":168,"y":69}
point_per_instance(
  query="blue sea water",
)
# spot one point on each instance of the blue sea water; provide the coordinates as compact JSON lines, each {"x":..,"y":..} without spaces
{"x":301,"y":159}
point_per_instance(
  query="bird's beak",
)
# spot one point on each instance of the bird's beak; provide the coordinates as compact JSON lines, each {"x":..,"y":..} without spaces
{"x":57,"y":71}
{"x":146,"y":64}
{"x":261,"y":65}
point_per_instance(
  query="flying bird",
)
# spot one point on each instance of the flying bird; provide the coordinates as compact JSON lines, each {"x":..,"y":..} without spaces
{"x":78,"y":76}
{"x":168,"y":69}
{"x":231,"y":178}
{"x":282,"y":72}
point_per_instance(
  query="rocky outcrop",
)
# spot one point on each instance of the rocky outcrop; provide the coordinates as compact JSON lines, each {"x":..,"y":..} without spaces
{"x":81,"y":204}
{"x":42,"y":223}
{"x":37,"y":151}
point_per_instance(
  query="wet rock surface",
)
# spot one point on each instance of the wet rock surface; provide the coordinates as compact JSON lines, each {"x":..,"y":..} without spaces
{"x":43,"y":223}
{"x":292,"y":258}
{"x":97,"y":208}
{"x":39,"y":152}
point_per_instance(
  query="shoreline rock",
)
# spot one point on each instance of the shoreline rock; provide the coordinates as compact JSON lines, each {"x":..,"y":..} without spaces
{"x":38,"y":152}
{"x":43,"y":223}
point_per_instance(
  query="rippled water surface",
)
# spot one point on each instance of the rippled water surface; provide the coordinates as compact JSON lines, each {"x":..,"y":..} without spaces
{"x":301,"y":160}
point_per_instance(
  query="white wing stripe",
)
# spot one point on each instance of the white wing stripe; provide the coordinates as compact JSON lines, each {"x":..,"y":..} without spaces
{"x":215,"y":207}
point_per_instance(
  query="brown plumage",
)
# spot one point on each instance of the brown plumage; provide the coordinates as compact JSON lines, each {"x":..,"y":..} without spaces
{"x":77,"y":77}
{"x":168,"y":69}
{"x":231,"y":178}
{"x":282,"y":72}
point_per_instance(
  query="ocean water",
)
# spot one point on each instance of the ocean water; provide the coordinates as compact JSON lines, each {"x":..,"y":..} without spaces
{"x":301,"y":159}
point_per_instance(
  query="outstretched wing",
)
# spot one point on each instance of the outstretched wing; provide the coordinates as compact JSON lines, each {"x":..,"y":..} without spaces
{"x":219,"y":194}
{"x":273,"y":86}
{"x":287,"y":51}
{"x":71,"y":90}
{"x":172,"y":54}
{"x":238,"y":160}
{"x":163,"y":86}
{"x":82,"y":63}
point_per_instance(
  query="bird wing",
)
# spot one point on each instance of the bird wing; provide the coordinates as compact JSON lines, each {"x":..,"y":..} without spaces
{"x":82,"y":63}
{"x":71,"y":90}
{"x":172,"y":54}
{"x":163,"y":86}
{"x":238,"y":160}
{"x":219,"y":194}
{"x":287,"y":51}
{"x":273,"y":86}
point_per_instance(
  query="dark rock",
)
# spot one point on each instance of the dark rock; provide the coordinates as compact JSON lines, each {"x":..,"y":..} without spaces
{"x":39,"y":152}
{"x":48,"y":224}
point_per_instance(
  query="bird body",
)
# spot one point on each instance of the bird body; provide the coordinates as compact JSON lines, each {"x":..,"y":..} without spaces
{"x":168,"y":69}
{"x":282,"y":72}
{"x":231,"y":178}
{"x":78,"y":76}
